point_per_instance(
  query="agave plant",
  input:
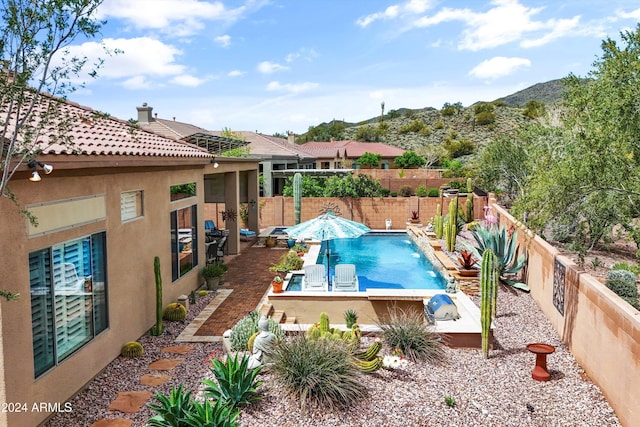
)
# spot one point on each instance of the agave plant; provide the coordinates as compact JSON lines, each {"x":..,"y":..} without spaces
{"x":236,"y":384}
{"x":505,"y":249}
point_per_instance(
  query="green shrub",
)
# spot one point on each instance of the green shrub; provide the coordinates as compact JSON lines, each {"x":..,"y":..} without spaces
{"x":415,"y":126}
{"x":624,"y":266}
{"x":439,"y":124}
{"x":407,"y":330}
{"x":247,"y":326}
{"x":235,"y":384}
{"x":623,"y":283}
{"x":318,"y":372}
{"x":405,"y":191}
{"x":180,"y":409}
{"x":393,"y":193}
{"x":421,"y":190}
{"x":433,"y":192}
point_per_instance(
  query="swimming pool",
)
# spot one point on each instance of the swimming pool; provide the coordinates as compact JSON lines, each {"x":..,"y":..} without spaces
{"x":383,"y":261}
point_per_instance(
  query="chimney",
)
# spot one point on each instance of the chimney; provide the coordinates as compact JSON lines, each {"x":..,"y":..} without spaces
{"x":144,"y":114}
{"x":291,"y":138}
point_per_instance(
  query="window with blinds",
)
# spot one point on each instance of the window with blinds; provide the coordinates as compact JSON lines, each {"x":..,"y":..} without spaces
{"x":131,"y":205}
{"x":68,"y":298}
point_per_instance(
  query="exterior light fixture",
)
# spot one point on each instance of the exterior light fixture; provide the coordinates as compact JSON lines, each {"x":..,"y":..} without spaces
{"x":35,"y":176}
{"x":215,"y":164}
{"x":253,"y":204}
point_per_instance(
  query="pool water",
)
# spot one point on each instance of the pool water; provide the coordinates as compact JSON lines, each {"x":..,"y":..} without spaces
{"x":382,"y":260}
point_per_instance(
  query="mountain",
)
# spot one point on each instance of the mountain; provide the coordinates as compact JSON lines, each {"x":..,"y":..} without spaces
{"x":417,"y":128}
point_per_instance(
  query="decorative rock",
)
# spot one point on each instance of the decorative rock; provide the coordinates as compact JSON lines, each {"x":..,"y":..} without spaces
{"x":112,"y":422}
{"x":154,"y":379}
{"x":129,"y":401}
{"x":165,"y":364}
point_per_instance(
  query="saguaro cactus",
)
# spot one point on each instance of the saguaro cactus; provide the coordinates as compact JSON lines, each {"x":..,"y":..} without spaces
{"x":452,"y":225}
{"x":469,"y":202}
{"x":158,"y":328}
{"x":297,"y":196}
{"x":437,"y":222}
{"x":489,"y":291}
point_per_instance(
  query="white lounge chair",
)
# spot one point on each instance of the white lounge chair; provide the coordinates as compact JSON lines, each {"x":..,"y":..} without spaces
{"x":314,"y":278}
{"x":345,"y":278}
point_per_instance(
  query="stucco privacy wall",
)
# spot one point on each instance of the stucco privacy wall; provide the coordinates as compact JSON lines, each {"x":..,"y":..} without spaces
{"x":600,"y":329}
{"x":131,"y":247}
{"x":373,"y":212}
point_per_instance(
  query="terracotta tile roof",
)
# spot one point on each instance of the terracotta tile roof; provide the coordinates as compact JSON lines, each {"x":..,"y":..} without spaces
{"x":350,"y":149}
{"x":94,"y":133}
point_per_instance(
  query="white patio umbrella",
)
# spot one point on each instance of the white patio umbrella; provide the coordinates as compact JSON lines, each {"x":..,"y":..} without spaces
{"x":326,"y":227}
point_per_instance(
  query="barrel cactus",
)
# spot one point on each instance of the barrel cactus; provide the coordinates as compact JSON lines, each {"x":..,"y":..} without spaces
{"x":297,"y":196}
{"x":132,"y":349}
{"x":175,"y":312}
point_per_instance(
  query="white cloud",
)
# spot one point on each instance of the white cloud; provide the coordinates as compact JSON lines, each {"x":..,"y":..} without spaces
{"x":304,"y":53}
{"x":235,"y":73}
{"x":498,"y":66}
{"x":140,"y":56}
{"x":176,"y":17}
{"x":224,"y":41}
{"x":291,"y":87}
{"x":559,"y":28}
{"x":136,"y":82}
{"x":187,"y":80}
{"x":634,"y":14}
{"x":388,"y":13}
{"x":267,"y":67}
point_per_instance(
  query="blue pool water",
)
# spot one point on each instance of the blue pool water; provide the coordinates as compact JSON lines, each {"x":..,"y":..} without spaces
{"x":383,"y":260}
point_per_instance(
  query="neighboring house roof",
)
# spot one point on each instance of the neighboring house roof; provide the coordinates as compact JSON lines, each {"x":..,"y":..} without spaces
{"x":95,"y":133}
{"x":271,"y":146}
{"x":350,"y":149}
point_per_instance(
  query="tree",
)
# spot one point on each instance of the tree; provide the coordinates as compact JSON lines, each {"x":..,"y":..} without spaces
{"x":409,"y":159}
{"x":34,"y":36}
{"x":591,"y":182}
{"x":369,"y":160}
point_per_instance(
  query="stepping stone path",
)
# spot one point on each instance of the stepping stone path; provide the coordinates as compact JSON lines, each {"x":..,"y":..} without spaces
{"x":130,"y":402}
{"x":165,"y":364}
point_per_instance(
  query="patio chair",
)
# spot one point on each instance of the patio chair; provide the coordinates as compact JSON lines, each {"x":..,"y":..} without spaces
{"x":222,"y":247}
{"x":65,"y":277}
{"x":345,"y":278}
{"x":246,"y":234}
{"x":212,"y":252}
{"x":209,"y":225}
{"x":314,"y":278}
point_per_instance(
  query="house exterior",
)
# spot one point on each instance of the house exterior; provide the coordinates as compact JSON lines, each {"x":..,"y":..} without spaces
{"x":344,"y":154}
{"x":85,"y":272}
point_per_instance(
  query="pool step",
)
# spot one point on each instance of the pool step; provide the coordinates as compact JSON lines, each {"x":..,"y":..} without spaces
{"x":279,"y":316}
{"x":291,"y":320}
{"x":266,"y":310}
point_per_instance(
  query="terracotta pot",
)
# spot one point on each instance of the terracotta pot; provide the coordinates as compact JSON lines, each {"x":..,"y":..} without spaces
{"x":277,"y":287}
{"x":270,"y":242}
{"x":471,"y":272}
{"x":414,"y":221}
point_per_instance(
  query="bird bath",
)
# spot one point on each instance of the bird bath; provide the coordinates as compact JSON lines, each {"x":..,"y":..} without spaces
{"x":540,"y":372}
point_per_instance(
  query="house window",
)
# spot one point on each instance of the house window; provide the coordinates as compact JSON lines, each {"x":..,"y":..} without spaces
{"x":130,"y":205}
{"x":184,"y":241}
{"x":68,"y":289}
{"x":183,"y":191}
{"x":325,"y":165}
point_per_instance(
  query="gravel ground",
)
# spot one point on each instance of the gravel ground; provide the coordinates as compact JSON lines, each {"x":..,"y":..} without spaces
{"x":498,"y":391}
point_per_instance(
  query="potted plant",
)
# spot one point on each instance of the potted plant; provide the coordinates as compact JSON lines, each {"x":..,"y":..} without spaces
{"x":300,"y":249}
{"x":415,"y":217}
{"x":277,"y":284}
{"x":212,"y":273}
{"x":270,"y":242}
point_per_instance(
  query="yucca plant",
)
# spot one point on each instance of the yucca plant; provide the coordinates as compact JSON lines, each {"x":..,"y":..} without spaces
{"x":407,"y":331}
{"x":235,"y":384}
{"x":504,"y":248}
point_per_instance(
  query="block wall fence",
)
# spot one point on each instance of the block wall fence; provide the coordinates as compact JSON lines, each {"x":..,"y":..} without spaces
{"x":600,"y":329}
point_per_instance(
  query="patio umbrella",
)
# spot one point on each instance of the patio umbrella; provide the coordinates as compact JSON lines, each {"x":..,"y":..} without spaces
{"x":326,"y":227}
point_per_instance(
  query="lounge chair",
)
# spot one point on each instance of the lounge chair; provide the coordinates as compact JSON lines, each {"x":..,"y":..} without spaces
{"x":246,"y":234}
{"x":345,"y":278}
{"x":314,"y":278}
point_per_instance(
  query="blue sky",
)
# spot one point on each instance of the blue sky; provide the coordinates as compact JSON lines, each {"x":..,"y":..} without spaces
{"x":284,"y":65}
